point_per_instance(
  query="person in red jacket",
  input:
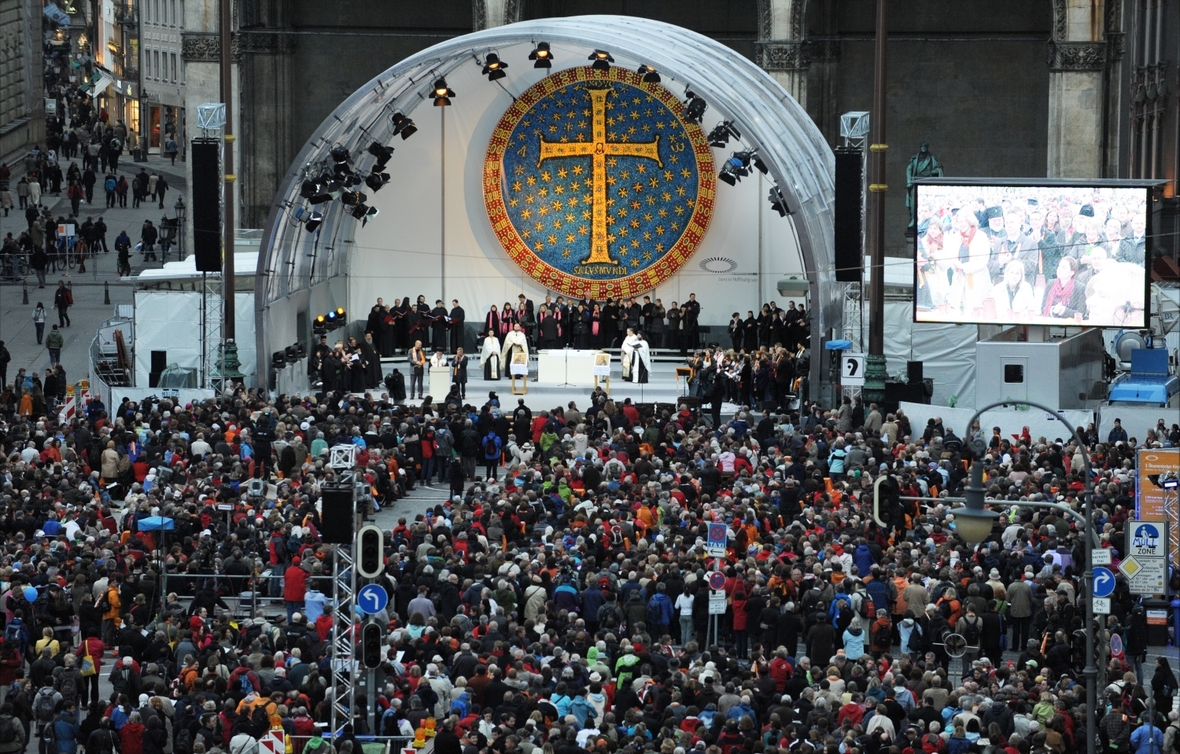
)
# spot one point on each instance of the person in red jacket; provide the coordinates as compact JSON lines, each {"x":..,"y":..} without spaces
{"x":323,"y":624}
{"x":294,"y":587}
{"x":93,"y":646}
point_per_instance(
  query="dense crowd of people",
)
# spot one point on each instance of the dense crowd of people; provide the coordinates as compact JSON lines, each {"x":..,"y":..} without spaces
{"x":558,"y":602}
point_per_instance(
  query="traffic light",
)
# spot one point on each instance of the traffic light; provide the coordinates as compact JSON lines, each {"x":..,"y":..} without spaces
{"x":371,"y":645}
{"x":371,"y":546}
{"x":887,"y":502}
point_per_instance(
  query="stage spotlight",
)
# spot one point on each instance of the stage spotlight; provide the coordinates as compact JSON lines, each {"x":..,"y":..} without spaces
{"x":735,"y":168}
{"x":372,"y":212}
{"x":493,"y":67}
{"x":542,"y":55}
{"x":695,"y":108}
{"x":278,"y":360}
{"x":320,"y":327}
{"x":353,"y":198}
{"x":758,"y":163}
{"x":602,"y":60}
{"x":381,"y":152}
{"x":334,"y":189}
{"x":778,"y":202}
{"x":315,"y":191}
{"x":315,"y":221}
{"x":650,"y":76}
{"x":291,"y":354}
{"x":721,"y":133}
{"x":359,"y":211}
{"x":340,"y":314}
{"x":442,"y":93}
{"x":340,"y":153}
{"x":376,"y":181}
{"x":300,"y":350}
{"x":403,"y":125}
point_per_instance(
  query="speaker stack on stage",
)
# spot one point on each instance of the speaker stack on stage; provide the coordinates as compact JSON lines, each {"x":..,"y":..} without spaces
{"x":206,"y":204}
{"x":847,"y":219}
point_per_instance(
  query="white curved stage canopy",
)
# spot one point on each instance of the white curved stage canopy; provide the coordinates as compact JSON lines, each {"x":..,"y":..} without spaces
{"x":434,"y":232}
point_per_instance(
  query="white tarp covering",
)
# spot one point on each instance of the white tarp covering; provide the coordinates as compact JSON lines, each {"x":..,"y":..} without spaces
{"x":170,"y":321}
{"x":947,"y":352}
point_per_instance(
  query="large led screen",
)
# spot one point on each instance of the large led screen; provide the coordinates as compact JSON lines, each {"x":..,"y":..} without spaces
{"x":1031,"y":255}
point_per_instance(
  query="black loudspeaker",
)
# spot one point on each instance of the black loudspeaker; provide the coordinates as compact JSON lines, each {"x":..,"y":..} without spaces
{"x":206,"y":205}
{"x":337,"y":516}
{"x":849,"y":185}
{"x":159,"y":364}
{"x":913,"y":372}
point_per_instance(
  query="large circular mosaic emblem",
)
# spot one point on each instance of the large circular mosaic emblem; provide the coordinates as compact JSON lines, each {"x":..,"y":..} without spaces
{"x":596,"y":185}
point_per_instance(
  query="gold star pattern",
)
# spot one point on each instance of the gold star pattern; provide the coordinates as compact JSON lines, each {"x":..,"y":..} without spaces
{"x":531,"y":180}
{"x":545,"y":175}
{"x":562,"y":173}
{"x":513,"y":202}
{"x":570,"y":237}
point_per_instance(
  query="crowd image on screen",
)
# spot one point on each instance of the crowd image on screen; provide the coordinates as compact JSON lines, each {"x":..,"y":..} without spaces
{"x":1016,"y":254}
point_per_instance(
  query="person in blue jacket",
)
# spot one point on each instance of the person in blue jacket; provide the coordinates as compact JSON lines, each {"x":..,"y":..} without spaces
{"x":659,"y":611}
{"x":491,"y":447}
{"x":66,"y":729}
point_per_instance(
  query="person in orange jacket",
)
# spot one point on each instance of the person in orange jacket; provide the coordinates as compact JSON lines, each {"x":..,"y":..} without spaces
{"x":112,"y":619}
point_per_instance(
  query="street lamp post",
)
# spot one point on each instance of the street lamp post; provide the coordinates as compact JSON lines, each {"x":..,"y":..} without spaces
{"x":180,"y":208}
{"x":974,"y":523}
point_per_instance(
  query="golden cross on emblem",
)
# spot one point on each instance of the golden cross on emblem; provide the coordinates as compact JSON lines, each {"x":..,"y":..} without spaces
{"x":599,"y":149}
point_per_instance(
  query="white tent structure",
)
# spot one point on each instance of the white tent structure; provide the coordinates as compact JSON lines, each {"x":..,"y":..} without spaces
{"x":432,"y":235}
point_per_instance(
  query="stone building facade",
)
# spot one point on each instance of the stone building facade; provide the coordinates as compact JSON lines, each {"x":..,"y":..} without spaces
{"x":21,"y":91}
{"x":1023,"y":88}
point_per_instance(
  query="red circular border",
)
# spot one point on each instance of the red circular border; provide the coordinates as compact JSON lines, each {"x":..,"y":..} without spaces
{"x":563,"y":282}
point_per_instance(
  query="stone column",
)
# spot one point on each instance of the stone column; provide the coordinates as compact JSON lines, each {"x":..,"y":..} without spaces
{"x":1077,"y":101}
{"x":201,"y":51}
{"x":488,"y":14}
{"x":265,"y":147}
{"x":782,"y":50}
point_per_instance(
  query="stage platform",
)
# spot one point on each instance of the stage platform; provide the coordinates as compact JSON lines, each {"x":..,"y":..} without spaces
{"x":663,"y":387}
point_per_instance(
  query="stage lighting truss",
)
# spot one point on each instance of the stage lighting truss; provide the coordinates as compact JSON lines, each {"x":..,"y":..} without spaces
{"x":403,"y":126}
{"x":602,"y":60}
{"x":778,"y":202}
{"x":694,"y":107}
{"x":441,"y":93}
{"x":722,"y":132}
{"x":541,"y":56}
{"x":376,"y":181}
{"x":650,"y":75}
{"x":493,"y":67}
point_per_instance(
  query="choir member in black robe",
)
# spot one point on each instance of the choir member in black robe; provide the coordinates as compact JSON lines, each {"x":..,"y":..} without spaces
{"x":458,"y":320}
{"x":438,"y":327}
{"x":373,"y":360}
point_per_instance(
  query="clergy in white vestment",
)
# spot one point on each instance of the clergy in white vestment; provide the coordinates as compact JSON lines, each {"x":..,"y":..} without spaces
{"x":636,"y":358}
{"x":489,"y":357}
{"x":514,"y":341}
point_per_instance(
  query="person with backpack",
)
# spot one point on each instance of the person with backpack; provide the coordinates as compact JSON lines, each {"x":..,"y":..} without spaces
{"x":12,"y":732}
{"x":970,"y":627}
{"x":659,"y":612}
{"x":69,"y":681}
{"x":45,"y":707}
{"x":492,"y":449}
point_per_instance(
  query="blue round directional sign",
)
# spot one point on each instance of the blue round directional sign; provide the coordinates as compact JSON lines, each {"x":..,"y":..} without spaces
{"x":372,"y":598}
{"x":1103,"y":582}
